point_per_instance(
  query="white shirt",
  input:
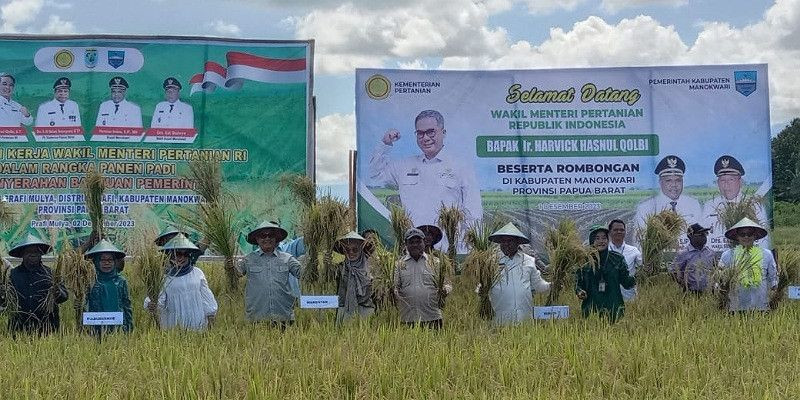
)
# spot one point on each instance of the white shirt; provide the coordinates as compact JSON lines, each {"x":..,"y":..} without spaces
{"x":185,"y":301}
{"x":180,"y":115}
{"x":52,"y":113}
{"x":633,"y":258}
{"x":10,"y":114}
{"x":716,"y":238}
{"x":425,"y":184}
{"x":688,"y":207}
{"x":127,"y":115}
{"x":512,"y":293}
{"x":755,"y":298}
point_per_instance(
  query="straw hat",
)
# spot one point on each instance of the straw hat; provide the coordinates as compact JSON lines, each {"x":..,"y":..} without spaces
{"x":339,"y":245}
{"x":432,"y":231}
{"x":104,"y":246}
{"x":29,"y":240}
{"x":266,"y":225}
{"x":732,"y":233}
{"x":167,"y":234}
{"x":509,"y":230}
{"x":181,"y":242}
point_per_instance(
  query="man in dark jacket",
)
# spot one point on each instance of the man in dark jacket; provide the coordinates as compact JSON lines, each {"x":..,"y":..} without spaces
{"x":34,"y":306}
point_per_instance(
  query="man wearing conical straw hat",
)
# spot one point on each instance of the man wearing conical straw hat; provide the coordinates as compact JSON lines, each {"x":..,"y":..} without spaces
{"x":433,"y":235}
{"x":416,"y":285}
{"x":268,"y":292}
{"x":518,"y":280}
{"x":36,"y":299}
{"x":598,"y":284}
{"x":354,"y":279}
{"x":754,"y":268}
{"x":185,"y":300}
{"x":110,"y":292}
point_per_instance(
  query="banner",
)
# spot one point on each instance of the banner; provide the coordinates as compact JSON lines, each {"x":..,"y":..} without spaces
{"x":138,"y":109}
{"x":536,"y":146}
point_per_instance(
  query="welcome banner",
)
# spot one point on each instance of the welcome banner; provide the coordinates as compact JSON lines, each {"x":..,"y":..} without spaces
{"x":138,"y":109}
{"x":535,"y":146}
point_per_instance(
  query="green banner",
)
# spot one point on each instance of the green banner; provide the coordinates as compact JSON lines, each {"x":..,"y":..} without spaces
{"x":567,"y":146}
{"x":137,"y":110}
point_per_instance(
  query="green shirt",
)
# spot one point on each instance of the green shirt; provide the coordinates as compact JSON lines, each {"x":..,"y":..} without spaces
{"x":602,"y":285}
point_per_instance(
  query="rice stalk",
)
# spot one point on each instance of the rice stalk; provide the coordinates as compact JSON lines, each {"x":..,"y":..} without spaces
{"x":401,"y":222}
{"x":149,"y":263}
{"x":566,"y":253}
{"x":301,"y":187}
{"x":661,"y":232}
{"x":729,"y":213}
{"x":450,"y":218}
{"x":78,"y":275}
{"x":439,"y":263}
{"x":7,"y":292}
{"x":93,"y":188}
{"x":207,"y":176}
{"x":217,"y":223}
{"x":482,"y":265}
{"x":383,"y":262}
{"x":311,"y":226}
{"x":333,"y":224}
{"x":789,"y":274}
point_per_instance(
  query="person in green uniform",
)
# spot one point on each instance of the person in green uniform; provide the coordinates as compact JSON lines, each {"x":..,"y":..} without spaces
{"x":597,"y":284}
{"x":110,"y":292}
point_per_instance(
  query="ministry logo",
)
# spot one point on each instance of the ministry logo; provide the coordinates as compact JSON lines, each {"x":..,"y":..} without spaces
{"x":378,"y":87}
{"x":745,"y":81}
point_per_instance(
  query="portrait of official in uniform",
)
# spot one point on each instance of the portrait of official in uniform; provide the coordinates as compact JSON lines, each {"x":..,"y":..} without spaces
{"x":729,"y":172}
{"x":12,"y":114}
{"x":670,"y":171}
{"x":172,"y":112}
{"x":433,"y":177}
{"x":61,"y":111}
{"x":119,"y":112}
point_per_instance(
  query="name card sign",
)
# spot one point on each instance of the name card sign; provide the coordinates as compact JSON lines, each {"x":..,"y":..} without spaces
{"x":319,"y":301}
{"x":793,"y":292}
{"x":102,"y":318}
{"x":551,"y":312}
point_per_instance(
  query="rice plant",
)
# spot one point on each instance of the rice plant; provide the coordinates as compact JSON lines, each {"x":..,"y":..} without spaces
{"x":207,"y":177}
{"x":401,"y":222}
{"x":788,"y":274}
{"x":93,"y":188}
{"x":450,"y":219}
{"x":439,"y":263}
{"x":661,"y":233}
{"x":566,"y":253}
{"x":333,"y":224}
{"x":149,"y":265}
{"x":8,"y":295}
{"x":301,"y":187}
{"x":482,"y":264}
{"x":311,"y":226}
{"x":78,"y":275}
{"x":383,"y":263}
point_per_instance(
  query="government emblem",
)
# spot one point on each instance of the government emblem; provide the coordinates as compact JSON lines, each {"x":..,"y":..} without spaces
{"x":745,"y":81}
{"x":90,"y":58}
{"x":116,"y":58}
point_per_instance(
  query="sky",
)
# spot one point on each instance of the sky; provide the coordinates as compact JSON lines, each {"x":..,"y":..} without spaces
{"x":455,"y":34}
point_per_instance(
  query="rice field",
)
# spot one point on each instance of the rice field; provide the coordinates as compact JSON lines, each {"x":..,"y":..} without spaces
{"x":668,"y":346}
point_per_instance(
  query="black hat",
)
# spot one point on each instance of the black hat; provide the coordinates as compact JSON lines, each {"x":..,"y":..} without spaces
{"x":118,"y":81}
{"x":696,"y":228}
{"x":670,"y":165}
{"x":727,"y":165}
{"x":62,"y":82}
{"x":172,"y":82}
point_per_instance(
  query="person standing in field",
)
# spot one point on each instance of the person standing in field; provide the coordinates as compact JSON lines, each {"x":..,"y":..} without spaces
{"x":518,"y":278}
{"x":110,"y":293}
{"x":185,"y":300}
{"x":598,"y":284}
{"x":631,"y":254}
{"x":419,"y":299}
{"x":354,"y":279}
{"x":268,"y":293}
{"x":692,"y":267}
{"x":433,"y":235}
{"x":754,"y":268}
{"x":34,"y":306}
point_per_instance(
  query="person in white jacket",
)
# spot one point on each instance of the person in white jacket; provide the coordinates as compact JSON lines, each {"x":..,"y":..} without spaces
{"x":512,"y":293}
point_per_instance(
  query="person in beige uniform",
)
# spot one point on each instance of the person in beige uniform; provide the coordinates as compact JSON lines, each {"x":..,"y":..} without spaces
{"x":419,"y":300}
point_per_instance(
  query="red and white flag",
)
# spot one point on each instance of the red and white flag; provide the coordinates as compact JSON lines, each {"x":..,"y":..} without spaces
{"x":243,"y":66}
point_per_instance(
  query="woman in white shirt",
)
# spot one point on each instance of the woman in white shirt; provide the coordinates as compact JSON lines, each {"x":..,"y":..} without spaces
{"x":185,"y":300}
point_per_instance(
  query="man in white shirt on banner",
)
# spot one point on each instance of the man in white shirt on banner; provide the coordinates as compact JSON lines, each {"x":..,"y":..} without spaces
{"x":670,"y":172}
{"x":631,"y":254}
{"x":119,"y":112}
{"x":430,"y":179}
{"x":172,"y":113}
{"x":61,"y":111}
{"x":729,"y":172}
{"x":12,"y":114}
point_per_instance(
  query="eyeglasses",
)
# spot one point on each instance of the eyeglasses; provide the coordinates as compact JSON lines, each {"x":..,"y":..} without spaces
{"x":431,"y":133}
{"x":747,"y":233}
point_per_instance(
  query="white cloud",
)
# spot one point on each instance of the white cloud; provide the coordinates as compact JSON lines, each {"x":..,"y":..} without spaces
{"x":416,"y":64}
{"x":57,"y":26}
{"x":19,"y":12}
{"x":550,"y":6}
{"x":350,"y":35}
{"x":613,"y":6}
{"x":336,"y":134}
{"x":223,"y":28}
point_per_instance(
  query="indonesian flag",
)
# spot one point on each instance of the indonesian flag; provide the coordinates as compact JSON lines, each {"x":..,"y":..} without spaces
{"x":243,"y":66}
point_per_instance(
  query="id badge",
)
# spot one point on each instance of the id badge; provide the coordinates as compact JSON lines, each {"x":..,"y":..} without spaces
{"x":601,"y":287}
